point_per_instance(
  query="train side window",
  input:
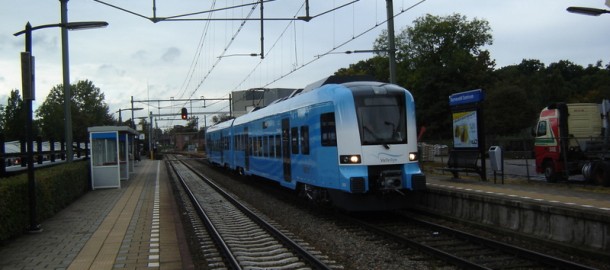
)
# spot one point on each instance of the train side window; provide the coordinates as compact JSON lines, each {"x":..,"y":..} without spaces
{"x":328,"y":129}
{"x":244,"y":143}
{"x":265,"y":146}
{"x":258,"y":147}
{"x":271,"y":146}
{"x":250,"y":145}
{"x":278,"y":146}
{"x":262,"y":146}
{"x":294,"y":136}
{"x":305,"y":140}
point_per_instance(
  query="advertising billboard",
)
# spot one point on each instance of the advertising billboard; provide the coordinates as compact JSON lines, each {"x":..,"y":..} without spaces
{"x":465,"y":129}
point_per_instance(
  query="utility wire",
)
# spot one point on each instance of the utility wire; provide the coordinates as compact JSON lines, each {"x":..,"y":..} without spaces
{"x":195,"y":61}
{"x":269,"y":50}
{"x":326,"y":53}
{"x":223,"y":52}
{"x":341,"y":45}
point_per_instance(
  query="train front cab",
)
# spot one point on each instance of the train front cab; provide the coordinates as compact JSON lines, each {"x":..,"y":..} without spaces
{"x":377,"y":149}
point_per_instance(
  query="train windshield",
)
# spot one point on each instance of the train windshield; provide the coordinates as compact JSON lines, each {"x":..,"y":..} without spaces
{"x":381,"y":117}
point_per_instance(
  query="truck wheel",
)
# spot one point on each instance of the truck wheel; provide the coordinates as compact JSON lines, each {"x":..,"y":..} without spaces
{"x":601,"y":174}
{"x":549,"y":172}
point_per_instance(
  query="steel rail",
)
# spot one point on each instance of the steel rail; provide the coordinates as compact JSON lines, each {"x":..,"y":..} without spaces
{"x":298,"y":249}
{"x":460,"y":262}
{"x":217,"y":238}
{"x":518,"y":251}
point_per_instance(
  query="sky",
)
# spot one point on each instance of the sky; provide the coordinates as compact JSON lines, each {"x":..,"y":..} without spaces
{"x":195,"y":59}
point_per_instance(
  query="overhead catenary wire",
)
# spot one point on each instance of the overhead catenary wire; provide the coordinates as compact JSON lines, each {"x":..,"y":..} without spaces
{"x":195,"y":60}
{"x":341,"y":45}
{"x":298,"y":62}
{"x":224,"y":51}
{"x":378,"y":24}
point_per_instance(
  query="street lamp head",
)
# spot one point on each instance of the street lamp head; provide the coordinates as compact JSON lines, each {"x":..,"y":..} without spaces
{"x":69,"y":26}
{"x":130,"y":109}
{"x":85,"y":25}
{"x":587,"y":11}
{"x":239,"y":54}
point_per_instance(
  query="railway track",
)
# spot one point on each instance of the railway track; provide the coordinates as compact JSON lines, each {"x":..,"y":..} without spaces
{"x":458,"y":248}
{"x":242,"y":238}
{"x":444,"y":247}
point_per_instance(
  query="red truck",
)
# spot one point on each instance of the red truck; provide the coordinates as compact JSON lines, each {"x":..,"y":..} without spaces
{"x":572,"y":138}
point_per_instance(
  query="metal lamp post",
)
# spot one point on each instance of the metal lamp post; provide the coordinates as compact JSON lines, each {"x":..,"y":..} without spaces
{"x":128,"y":109}
{"x":28,"y":83}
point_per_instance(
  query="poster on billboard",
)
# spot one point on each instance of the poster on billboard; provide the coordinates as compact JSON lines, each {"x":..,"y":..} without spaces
{"x":465,"y":130}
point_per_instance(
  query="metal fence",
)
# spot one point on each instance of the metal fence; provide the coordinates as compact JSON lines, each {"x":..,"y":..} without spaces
{"x":519,"y":161}
{"x":13,"y":154}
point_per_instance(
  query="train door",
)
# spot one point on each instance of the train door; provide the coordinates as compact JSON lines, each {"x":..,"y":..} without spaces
{"x":286,"y":149}
{"x":247,"y":154}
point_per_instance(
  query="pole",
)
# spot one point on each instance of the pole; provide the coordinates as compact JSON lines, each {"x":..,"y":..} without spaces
{"x":391,"y":43}
{"x":262,"y":32}
{"x":66,"y":81}
{"x":28,"y":79}
{"x":133,"y":124}
{"x":150,"y":132}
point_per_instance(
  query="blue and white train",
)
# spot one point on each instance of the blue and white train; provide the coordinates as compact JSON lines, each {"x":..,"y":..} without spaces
{"x":351,"y":143}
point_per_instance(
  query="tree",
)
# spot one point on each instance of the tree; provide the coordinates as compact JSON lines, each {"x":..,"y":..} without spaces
{"x":14,"y":118}
{"x":508,"y":110}
{"x":439,"y":56}
{"x":2,"y":119}
{"x":88,"y":109}
{"x":376,"y":67}
{"x":221,"y":118}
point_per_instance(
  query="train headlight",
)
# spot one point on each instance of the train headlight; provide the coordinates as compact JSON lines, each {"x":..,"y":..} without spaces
{"x":349,"y":159}
{"x":413,"y":156}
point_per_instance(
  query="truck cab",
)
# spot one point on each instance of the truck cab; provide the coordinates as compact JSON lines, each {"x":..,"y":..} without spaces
{"x":569,"y":139}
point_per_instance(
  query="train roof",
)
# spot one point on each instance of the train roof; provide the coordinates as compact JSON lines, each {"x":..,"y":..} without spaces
{"x":346,"y":82}
{"x":221,"y":125}
{"x":337,"y":80}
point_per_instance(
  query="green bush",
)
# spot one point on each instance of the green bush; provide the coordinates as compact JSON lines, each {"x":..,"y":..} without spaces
{"x":56,"y":187}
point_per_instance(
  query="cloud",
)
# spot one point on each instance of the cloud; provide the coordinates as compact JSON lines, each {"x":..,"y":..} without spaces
{"x":171,"y":54}
{"x":48,"y":42}
{"x":107,"y":69}
{"x":140,"y":55}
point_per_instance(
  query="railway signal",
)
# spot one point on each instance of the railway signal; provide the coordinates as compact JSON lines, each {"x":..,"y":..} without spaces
{"x":184,"y":114}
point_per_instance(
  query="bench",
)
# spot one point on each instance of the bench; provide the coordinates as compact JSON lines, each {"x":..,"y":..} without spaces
{"x":463,"y":161}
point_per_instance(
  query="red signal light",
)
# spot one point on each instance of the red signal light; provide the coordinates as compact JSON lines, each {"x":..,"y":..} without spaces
{"x":184,"y":114}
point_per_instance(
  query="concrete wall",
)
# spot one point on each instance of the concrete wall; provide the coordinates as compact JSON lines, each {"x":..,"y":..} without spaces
{"x":582,"y":228}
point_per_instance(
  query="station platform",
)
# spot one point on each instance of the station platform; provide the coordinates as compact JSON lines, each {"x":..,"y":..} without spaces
{"x":575,"y":216}
{"x":572,"y":195}
{"x":137,"y":226}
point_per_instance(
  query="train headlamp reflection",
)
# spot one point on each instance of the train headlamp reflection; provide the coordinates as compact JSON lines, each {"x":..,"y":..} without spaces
{"x":349,"y":159}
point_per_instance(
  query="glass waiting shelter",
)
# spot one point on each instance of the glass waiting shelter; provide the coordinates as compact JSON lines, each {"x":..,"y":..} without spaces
{"x":112,"y":155}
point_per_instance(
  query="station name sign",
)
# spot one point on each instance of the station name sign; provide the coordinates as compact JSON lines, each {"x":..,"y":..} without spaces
{"x":466,"y":97}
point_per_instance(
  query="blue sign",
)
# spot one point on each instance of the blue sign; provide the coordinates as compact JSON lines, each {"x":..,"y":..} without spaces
{"x":103,"y":135}
{"x":466,"y":97}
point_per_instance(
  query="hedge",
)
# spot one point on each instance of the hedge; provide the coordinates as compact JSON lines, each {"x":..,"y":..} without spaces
{"x":56,"y":188}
